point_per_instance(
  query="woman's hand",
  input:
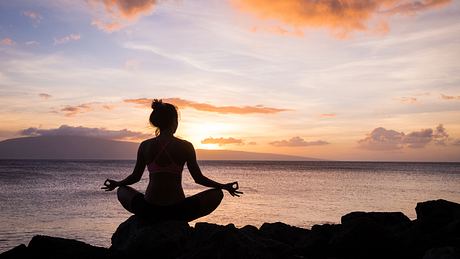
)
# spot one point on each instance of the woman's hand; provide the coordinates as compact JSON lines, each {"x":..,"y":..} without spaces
{"x":232,"y":188}
{"x":110,"y":185}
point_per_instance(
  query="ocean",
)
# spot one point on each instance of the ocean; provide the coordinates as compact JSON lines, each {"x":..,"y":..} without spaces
{"x":64,"y":199}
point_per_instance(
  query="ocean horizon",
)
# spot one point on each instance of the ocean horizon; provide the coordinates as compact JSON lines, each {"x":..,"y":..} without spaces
{"x":63,"y":197}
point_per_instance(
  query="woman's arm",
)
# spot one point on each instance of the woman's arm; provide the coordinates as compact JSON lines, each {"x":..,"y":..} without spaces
{"x":199,"y":178}
{"x":134,"y":177}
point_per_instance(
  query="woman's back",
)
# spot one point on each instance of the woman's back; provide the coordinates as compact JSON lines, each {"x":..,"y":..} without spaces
{"x":165,"y":159}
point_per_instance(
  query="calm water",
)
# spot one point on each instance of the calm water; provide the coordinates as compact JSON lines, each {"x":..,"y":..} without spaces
{"x":63,"y":198}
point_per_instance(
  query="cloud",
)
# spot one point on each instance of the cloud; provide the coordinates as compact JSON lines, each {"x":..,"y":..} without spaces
{"x":44,"y":95}
{"x":72,"y":110}
{"x":383,"y":139}
{"x":107,"y":26}
{"x":297,"y":142}
{"x":408,"y":100}
{"x":412,"y":7}
{"x":222,"y":141}
{"x":67,"y":38}
{"x":328,"y":115}
{"x":450,"y":97}
{"x":32,"y":43}
{"x":182,"y":103}
{"x":342,"y":17}
{"x":34,"y":16}
{"x":65,"y":130}
{"x":114,"y":15}
{"x":7,"y":42}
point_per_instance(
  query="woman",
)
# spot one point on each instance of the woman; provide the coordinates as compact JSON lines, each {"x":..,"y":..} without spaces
{"x":165,"y":157}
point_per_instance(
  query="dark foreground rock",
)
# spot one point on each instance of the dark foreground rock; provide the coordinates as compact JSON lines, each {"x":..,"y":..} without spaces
{"x":435,"y":234}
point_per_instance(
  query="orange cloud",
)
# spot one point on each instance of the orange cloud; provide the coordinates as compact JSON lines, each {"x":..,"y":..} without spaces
{"x":409,"y":100}
{"x":7,"y":42}
{"x":118,"y":13}
{"x":297,"y":142}
{"x":72,"y":110}
{"x":340,"y":16}
{"x":209,"y":107}
{"x":222,"y":141}
{"x":450,"y":97}
{"x":328,"y":115}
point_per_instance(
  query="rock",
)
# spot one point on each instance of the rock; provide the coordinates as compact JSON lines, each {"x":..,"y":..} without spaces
{"x":364,"y":238}
{"x":283,"y":233}
{"x":55,"y":247}
{"x":393,"y":221}
{"x":139,"y":238}
{"x":317,"y":243}
{"x":17,"y":252}
{"x":442,"y":253}
{"x":434,"y":234}
{"x":436,"y":213}
{"x":214,"y":241}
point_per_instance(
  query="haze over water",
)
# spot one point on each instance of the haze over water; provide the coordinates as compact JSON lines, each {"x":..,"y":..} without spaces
{"x":63,"y":198}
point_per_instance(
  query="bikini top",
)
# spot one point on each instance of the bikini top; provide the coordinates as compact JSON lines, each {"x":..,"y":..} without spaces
{"x":172,"y":167}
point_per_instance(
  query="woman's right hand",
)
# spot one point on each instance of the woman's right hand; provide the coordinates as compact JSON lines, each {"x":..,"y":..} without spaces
{"x":110,"y":185}
{"x":232,"y":188}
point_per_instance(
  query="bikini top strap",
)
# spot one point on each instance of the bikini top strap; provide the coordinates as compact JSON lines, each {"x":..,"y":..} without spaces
{"x":163,"y":149}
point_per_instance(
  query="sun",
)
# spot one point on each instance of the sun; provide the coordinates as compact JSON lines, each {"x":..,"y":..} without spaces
{"x":196,"y":132}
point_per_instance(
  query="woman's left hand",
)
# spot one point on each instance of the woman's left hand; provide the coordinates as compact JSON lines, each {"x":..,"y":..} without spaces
{"x":110,"y":185}
{"x":232,"y":188}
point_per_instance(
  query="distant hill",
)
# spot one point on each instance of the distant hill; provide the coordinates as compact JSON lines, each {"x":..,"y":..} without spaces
{"x":78,"y":147}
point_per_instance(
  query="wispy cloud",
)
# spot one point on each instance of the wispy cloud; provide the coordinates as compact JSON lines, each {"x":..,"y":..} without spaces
{"x":298,"y":142}
{"x":383,"y":139}
{"x":222,"y":141}
{"x":186,"y":59}
{"x":35,"y":17}
{"x":113,"y":15}
{"x":7,"y":42}
{"x":32,"y":43}
{"x":328,"y":115}
{"x":44,"y":96}
{"x":67,"y":38}
{"x":66,"y":130}
{"x":408,"y":100}
{"x":412,"y":7}
{"x":72,"y":110}
{"x":182,"y":103}
{"x":450,"y":97}
{"x":341,"y":17}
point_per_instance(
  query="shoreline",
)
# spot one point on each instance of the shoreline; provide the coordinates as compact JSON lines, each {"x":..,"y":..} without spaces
{"x":435,"y":233}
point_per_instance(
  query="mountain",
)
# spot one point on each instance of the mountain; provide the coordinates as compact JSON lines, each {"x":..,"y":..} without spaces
{"x":79,"y":147}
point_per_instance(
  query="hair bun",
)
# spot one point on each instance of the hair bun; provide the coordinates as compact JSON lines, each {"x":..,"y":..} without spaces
{"x":157,"y":103}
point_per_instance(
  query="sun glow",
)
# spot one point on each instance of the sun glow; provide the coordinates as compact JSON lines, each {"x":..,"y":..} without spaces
{"x":197,"y":132}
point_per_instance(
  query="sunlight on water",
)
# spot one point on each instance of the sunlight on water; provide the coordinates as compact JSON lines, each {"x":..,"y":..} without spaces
{"x":63,"y":198}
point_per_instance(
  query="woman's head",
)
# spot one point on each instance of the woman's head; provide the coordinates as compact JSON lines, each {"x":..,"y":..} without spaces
{"x":164,"y":117}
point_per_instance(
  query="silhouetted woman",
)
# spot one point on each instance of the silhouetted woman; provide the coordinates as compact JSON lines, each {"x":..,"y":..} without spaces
{"x":165,"y":157}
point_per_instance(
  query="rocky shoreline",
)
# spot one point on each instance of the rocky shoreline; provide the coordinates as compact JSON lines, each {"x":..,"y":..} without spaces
{"x":435,"y":233}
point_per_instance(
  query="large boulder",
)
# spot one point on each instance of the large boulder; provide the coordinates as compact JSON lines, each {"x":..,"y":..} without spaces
{"x":139,"y":238}
{"x":437,"y":213}
{"x":215,"y":241}
{"x":283,"y":232}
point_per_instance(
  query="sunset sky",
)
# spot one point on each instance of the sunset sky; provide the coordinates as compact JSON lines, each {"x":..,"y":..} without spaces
{"x":336,"y":79}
